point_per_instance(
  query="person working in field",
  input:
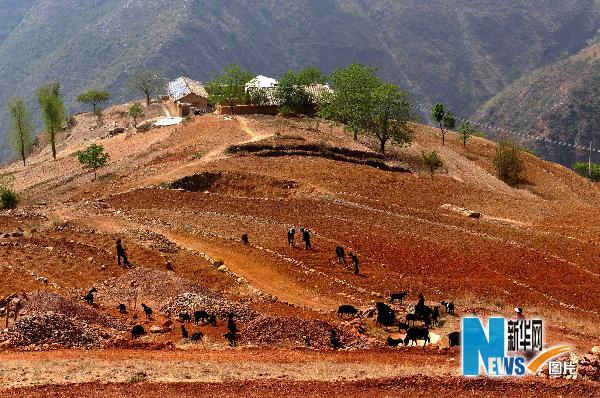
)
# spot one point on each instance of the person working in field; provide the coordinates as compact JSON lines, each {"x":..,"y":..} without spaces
{"x":121,"y":255}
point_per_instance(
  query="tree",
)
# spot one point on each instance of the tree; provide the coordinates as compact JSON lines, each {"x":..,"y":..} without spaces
{"x":465,"y":131}
{"x":229,"y":87}
{"x":353,"y":87}
{"x":291,"y":88}
{"x":93,"y":97}
{"x":21,"y":127}
{"x":508,"y":162}
{"x":93,"y":158}
{"x":53,"y":112}
{"x":449,"y":121}
{"x":438,"y":114}
{"x":136,"y":111}
{"x":146,"y":82}
{"x":390,"y":113}
{"x":583,"y":169}
{"x":258,"y":96}
{"x":432,"y":160}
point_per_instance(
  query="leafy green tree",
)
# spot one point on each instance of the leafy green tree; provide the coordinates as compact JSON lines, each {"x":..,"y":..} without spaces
{"x":438,"y":113}
{"x":93,"y":158}
{"x":432,"y":160}
{"x":508,"y":162}
{"x":135,"y":111}
{"x":146,"y":82}
{"x":353,"y":88}
{"x":291,"y":88}
{"x":391,"y":111}
{"x":583,"y":169}
{"x":53,"y":112}
{"x":93,"y":97}
{"x":258,"y":96}
{"x":21,"y":127}
{"x":449,"y":121}
{"x":465,"y":132}
{"x":229,"y":87}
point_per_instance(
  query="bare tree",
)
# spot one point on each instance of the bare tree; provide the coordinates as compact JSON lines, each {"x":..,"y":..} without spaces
{"x":146,"y":82}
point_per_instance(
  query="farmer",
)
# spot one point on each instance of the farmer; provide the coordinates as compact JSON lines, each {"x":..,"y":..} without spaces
{"x":306,"y":238}
{"x":122,"y":255}
{"x":290,"y":235}
{"x":354,"y":258}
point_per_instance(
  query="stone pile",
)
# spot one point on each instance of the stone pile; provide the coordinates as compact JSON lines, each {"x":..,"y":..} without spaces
{"x":589,"y":365}
{"x":50,"y":330}
{"x":212,"y":303}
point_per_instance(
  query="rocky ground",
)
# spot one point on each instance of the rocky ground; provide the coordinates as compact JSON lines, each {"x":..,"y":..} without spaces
{"x":180,"y":200}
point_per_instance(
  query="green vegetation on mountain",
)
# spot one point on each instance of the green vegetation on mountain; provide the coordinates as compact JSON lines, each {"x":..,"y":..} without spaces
{"x":460,"y":53}
{"x":560,"y":102}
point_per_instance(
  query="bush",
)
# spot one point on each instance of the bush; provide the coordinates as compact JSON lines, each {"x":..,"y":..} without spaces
{"x":286,"y":111}
{"x":583,"y":170}
{"x":432,"y":160}
{"x":508,"y":162}
{"x":8,"y":197}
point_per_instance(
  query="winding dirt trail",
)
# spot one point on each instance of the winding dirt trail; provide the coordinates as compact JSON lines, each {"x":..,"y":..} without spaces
{"x":215,"y":154}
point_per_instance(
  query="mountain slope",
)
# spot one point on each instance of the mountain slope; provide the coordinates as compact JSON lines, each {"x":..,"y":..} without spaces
{"x":461,"y":53}
{"x":559,"y":102}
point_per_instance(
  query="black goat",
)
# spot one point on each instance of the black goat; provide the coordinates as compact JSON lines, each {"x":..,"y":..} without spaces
{"x":412,"y":318}
{"x":394,"y":342}
{"x":137,"y":331}
{"x":435,"y":315}
{"x":454,"y":339}
{"x":414,"y":334}
{"x":197,"y":336}
{"x":185,"y":317}
{"x":212,"y":320}
{"x":122,"y":308}
{"x":347,"y":309}
{"x":89,"y":296}
{"x":184,"y":332}
{"x":201,"y":315}
{"x":403,"y":326}
{"x":398,"y":296}
{"x":245,"y":239}
{"x":147,"y":311}
{"x":450,"y":308}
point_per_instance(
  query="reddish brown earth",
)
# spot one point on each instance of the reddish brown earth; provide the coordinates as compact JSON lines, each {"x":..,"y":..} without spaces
{"x":536,"y":247}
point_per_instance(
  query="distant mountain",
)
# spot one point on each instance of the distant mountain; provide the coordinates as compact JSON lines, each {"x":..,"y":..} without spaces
{"x":560,"y":102}
{"x":461,"y":52}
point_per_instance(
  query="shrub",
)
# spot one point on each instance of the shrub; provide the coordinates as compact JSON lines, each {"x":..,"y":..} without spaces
{"x":432,"y":160}
{"x":508,"y":162}
{"x":583,"y":170}
{"x":286,"y":111}
{"x":8,"y":197}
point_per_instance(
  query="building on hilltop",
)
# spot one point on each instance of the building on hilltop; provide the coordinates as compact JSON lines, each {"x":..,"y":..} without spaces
{"x":187,"y":95}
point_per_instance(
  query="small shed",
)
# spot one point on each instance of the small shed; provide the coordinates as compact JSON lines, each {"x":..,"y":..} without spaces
{"x":188,"y":96}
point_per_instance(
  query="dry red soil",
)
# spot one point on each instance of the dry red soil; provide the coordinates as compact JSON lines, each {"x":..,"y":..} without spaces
{"x":536,"y":246}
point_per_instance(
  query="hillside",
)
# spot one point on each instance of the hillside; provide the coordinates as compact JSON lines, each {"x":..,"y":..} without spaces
{"x":185,"y":195}
{"x":559,"y":102}
{"x":441,"y":51}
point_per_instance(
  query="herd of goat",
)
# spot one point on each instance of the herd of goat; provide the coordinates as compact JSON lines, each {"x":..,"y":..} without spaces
{"x":386,"y":316}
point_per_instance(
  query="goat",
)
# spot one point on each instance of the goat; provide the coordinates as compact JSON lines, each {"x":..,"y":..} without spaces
{"x":89,"y":296}
{"x":398,"y":296}
{"x":347,"y":309}
{"x":185,"y":317}
{"x":212,"y":320}
{"x":450,"y":308}
{"x":412,"y":318}
{"x":137,"y":331}
{"x":122,"y":308}
{"x":184,"y":332}
{"x":454,"y":339}
{"x":201,"y":315}
{"x":394,"y":342}
{"x":147,"y":311}
{"x":414,"y":334}
{"x":198,"y":336}
{"x":403,"y":326}
{"x":245,"y":239}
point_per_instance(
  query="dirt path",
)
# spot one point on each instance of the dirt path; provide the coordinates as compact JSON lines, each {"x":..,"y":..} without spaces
{"x":217,"y":153}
